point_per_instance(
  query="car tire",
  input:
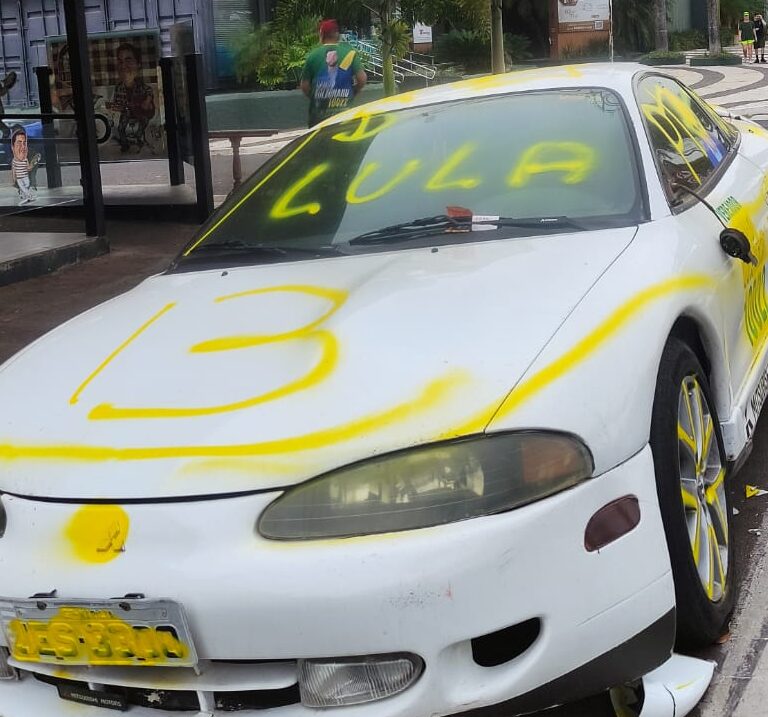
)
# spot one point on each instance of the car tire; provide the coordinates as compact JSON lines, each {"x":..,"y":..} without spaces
{"x":691,"y":471}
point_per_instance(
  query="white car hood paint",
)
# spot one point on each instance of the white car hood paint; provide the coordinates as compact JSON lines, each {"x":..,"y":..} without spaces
{"x":419,"y":342}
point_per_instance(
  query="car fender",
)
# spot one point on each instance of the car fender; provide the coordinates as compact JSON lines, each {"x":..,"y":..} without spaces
{"x":596,"y":377}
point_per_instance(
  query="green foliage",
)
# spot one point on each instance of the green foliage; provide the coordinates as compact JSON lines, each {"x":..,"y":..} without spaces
{"x":731,"y":12}
{"x":455,"y":14}
{"x":517,"y":48}
{"x":273,"y":55}
{"x":664,"y":55}
{"x":397,"y":37}
{"x":687,"y":40}
{"x":468,"y":48}
{"x":633,"y":25}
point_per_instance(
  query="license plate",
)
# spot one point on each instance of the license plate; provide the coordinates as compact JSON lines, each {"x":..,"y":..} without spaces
{"x":98,"y":632}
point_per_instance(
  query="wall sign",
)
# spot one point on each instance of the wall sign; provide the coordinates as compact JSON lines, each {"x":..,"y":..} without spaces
{"x":583,"y":15}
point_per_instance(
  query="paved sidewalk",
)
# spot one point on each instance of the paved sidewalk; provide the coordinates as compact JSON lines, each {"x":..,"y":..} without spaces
{"x":743,"y":89}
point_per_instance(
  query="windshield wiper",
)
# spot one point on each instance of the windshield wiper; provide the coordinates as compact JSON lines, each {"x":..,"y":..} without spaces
{"x":237,"y":246}
{"x":416,"y":228}
{"x":405,"y":231}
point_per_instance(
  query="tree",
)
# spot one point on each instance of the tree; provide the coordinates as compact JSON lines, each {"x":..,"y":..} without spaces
{"x":660,"y":24}
{"x":713,"y":22}
{"x":497,"y":39}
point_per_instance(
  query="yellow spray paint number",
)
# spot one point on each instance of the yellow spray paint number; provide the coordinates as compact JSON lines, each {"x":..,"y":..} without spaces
{"x":311,"y":332}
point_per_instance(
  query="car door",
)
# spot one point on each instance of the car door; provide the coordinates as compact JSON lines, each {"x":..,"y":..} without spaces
{"x":698,"y":152}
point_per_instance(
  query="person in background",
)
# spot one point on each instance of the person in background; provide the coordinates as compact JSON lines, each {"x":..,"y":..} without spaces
{"x":747,"y":36}
{"x":759,"y":24}
{"x":333,"y":75}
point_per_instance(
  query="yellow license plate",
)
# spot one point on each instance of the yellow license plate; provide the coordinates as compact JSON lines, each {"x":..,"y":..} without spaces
{"x":110,"y":632}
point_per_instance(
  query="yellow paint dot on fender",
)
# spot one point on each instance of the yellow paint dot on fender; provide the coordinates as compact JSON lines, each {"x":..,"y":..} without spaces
{"x":97,"y":533}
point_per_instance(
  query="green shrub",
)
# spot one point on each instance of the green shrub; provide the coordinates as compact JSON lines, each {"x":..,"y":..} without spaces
{"x":517,"y":48}
{"x":469,"y":48}
{"x":687,"y":40}
{"x":661,"y":56}
{"x":272,"y":56}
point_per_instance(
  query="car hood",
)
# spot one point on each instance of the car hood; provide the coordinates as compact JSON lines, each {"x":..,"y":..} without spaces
{"x":253,"y":378}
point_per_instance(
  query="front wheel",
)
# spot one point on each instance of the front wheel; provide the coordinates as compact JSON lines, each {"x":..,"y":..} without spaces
{"x":690,"y":465}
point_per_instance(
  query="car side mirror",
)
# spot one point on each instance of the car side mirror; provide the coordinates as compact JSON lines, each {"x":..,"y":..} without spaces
{"x":735,"y":243}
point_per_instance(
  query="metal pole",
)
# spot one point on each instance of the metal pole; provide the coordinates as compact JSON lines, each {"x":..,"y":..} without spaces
{"x":51,"y":155}
{"x":82,"y":100}
{"x":610,"y":27}
{"x":198,"y":120}
{"x":498,"y":63}
{"x":175,"y":159}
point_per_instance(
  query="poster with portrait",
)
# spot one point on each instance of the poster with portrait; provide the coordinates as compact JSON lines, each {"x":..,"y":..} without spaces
{"x":125,"y":77}
{"x":575,"y":15}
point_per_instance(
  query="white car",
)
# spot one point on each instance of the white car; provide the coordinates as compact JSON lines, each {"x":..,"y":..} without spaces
{"x":435,"y":414}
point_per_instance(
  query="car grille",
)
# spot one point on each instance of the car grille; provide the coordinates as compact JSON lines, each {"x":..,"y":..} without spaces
{"x":189,"y":701}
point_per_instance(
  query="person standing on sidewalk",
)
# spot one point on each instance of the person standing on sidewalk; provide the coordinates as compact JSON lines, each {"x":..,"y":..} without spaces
{"x":333,"y":75}
{"x":759,"y":24}
{"x":747,"y":36}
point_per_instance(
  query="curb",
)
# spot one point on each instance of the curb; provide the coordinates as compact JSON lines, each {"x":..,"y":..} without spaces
{"x":49,"y":260}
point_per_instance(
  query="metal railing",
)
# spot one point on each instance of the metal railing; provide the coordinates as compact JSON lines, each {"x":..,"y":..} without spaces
{"x":403,"y":67}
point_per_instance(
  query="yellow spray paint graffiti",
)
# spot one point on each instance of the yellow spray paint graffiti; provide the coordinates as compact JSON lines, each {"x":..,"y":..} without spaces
{"x":442,"y":180}
{"x":97,"y":533}
{"x":674,"y":118}
{"x":583,"y":349}
{"x":434,"y":396}
{"x":367,"y":128}
{"x":371,"y":168}
{"x":746,"y":218}
{"x":283,"y":209}
{"x":574,"y":160}
{"x":310,"y":332}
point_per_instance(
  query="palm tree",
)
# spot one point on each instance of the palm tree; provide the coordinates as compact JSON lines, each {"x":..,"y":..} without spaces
{"x":713,"y":22}
{"x":660,"y":24}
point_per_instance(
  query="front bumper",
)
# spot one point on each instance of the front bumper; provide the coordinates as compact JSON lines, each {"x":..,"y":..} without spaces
{"x":427,"y":592}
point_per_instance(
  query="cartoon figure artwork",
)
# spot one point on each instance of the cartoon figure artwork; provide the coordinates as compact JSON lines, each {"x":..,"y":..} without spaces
{"x":22,"y":165}
{"x":125,"y":79}
{"x":133,"y":99}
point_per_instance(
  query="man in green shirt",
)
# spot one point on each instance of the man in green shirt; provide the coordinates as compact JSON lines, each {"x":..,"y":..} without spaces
{"x":747,"y":36}
{"x":333,"y":74}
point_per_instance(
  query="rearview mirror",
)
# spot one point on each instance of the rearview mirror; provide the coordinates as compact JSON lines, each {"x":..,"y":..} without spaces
{"x":735,"y":243}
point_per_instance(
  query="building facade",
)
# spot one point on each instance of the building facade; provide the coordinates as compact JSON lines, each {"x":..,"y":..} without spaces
{"x":25,"y":25}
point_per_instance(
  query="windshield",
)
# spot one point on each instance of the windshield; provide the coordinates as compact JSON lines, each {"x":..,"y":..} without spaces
{"x":521,"y":164}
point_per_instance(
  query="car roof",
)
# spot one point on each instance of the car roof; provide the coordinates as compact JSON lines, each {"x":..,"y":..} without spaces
{"x":614,"y":76}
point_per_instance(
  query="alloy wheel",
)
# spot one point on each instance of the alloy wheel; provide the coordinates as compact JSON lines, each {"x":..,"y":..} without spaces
{"x":702,"y":482}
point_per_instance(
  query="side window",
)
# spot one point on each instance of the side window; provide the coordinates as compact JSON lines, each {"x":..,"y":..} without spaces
{"x":688,"y":141}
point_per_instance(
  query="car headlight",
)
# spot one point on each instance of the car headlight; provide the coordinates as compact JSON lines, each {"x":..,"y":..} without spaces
{"x":430,"y":485}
